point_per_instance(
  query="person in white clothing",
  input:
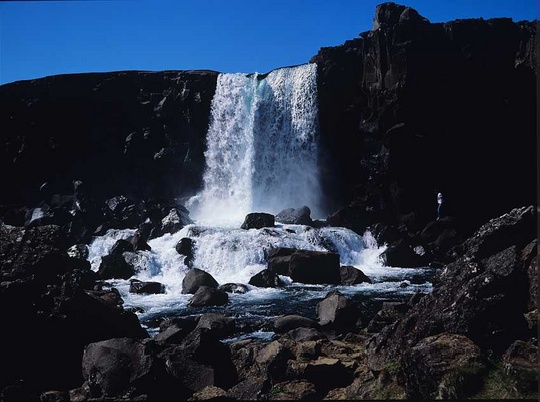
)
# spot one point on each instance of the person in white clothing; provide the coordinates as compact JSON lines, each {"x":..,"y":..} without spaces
{"x":439,"y":201}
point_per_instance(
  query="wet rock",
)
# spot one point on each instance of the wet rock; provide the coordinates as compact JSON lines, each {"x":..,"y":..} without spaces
{"x":300,"y":216}
{"x":121,"y":246}
{"x":352,"y":276}
{"x":266,"y":279}
{"x":54,"y":396}
{"x":186,"y":247}
{"x":402,"y":255}
{"x":234,"y":288}
{"x":208,"y":296}
{"x":258,"y":220}
{"x":279,"y":260}
{"x":136,"y":286}
{"x":114,"y":266}
{"x":196,"y":278}
{"x":138,"y":242}
{"x":306,"y":334}
{"x":290,"y":322}
{"x":315,"y":267}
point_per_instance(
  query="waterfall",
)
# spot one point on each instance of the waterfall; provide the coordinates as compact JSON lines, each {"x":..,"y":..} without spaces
{"x":261,"y":145}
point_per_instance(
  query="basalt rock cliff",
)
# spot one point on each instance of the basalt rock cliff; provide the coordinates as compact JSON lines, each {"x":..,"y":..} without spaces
{"x":412,"y":108}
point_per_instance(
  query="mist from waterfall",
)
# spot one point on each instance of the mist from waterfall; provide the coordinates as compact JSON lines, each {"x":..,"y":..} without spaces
{"x":261,"y":146}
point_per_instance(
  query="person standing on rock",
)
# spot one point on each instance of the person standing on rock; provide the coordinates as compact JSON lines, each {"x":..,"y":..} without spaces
{"x":439,"y":201}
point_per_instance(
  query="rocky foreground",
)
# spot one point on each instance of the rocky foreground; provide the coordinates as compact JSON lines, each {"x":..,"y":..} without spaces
{"x":475,"y":335}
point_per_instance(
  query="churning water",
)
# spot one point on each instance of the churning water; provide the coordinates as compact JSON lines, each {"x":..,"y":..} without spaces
{"x":261,"y":156}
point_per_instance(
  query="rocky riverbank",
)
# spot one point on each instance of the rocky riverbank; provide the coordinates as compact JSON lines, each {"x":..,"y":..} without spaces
{"x":473,"y":336}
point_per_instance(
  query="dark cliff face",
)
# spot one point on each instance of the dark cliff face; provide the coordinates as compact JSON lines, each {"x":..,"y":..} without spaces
{"x":412,"y":108}
{"x":136,"y":133}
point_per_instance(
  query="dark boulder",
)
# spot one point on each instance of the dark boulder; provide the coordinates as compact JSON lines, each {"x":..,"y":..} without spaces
{"x":117,"y":367}
{"x":138,"y":242}
{"x":196,"y":278}
{"x":234,"y":288}
{"x":121,"y":246}
{"x":315,"y":267}
{"x":389,"y":313}
{"x":266,"y":279}
{"x":173,"y":331}
{"x":352,"y":276}
{"x":521,"y":364}
{"x":300,"y":216}
{"x":290,"y":322}
{"x":279,"y":259}
{"x":175,"y":220}
{"x":208,"y":296}
{"x":443,"y":366}
{"x":338,"y":312}
{"x":258,"y":220}
{"x":114,"y":266}
{"x":295,"y":390}
{"x":186,"y":246}
{"x":402,"y":255}
{"x":136,"y":286}
{"x":201,"y":360}
{"x":219,"y":325}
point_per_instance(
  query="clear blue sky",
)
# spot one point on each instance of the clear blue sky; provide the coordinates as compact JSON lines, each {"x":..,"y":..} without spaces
{"x":40,"y":38}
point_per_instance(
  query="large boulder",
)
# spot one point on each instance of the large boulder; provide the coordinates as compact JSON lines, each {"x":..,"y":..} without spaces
{"x":402,"y":255}
{"x":338,"y":312}
{"x":258,"y":220}
{"x":443,"y":366}
{"x":201,"y":360}
{"x":117,"y":367}
{"x":300,"y":216}
{"x":196,"y":278}
{"x":352,"y":276}
{"x":266,"y":279}
{"x":290,"y":322}
{"x":208,"y":296}
{"x":115,"y":266}
{"x":218,"y":324}
{"x":279,"y":259}
{"x":185,"y":246}
{"x":136,"y":286}
{"x":315,"y":267}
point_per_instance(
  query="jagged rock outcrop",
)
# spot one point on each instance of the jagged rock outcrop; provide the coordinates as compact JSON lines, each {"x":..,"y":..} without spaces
{"x":483,"y":296}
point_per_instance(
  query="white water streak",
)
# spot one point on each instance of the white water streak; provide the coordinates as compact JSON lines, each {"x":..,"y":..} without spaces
{"x":261,"y":146}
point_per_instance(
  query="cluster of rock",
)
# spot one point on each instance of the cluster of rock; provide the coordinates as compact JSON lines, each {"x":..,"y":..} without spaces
{"x":474,"y":335}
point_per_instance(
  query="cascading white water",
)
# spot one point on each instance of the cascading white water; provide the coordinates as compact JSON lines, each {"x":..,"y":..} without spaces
{"x":261,"y":156}
{"x":261,"y":145}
